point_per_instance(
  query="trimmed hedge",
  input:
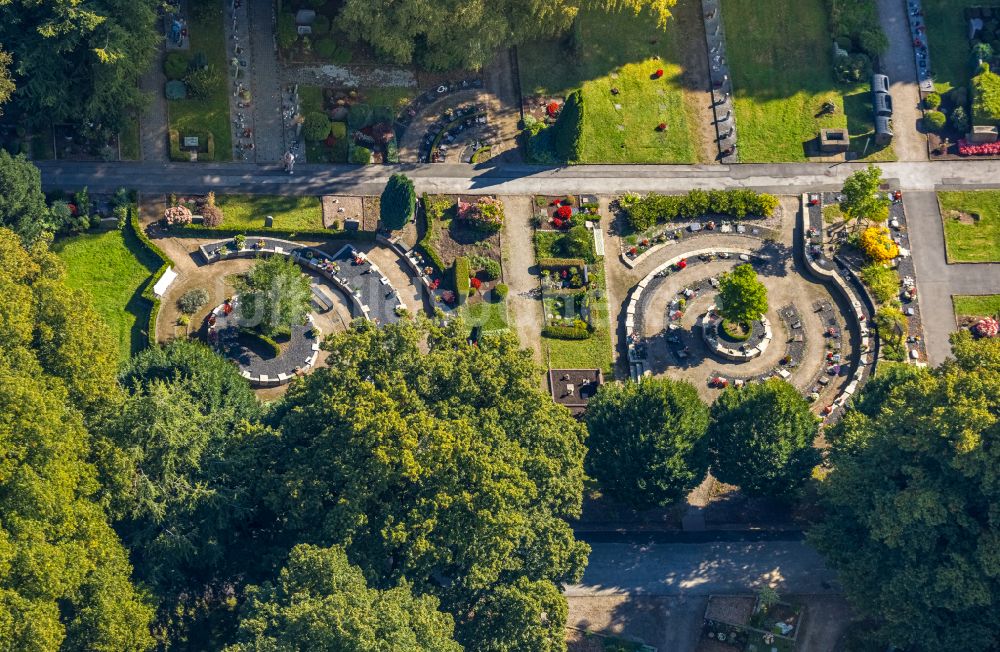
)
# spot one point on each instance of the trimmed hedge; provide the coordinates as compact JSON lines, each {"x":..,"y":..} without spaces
{"x":560,"y":263}
{"x":460,"y":274}
{"x":200,"y":231}
{"x":569,"y":129}
{"x":263,"y":339}
{"x":177,"y":154}
{"x":566,"y":333}
{"x":500,"y":291}
{"x":644,"y":212}
{"x":986,"y":97}
{"x":425,"y":245}
{"x":147,"y":292}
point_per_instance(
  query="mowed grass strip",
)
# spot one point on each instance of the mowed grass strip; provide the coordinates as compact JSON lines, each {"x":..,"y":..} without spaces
{"x":209,"y":113}
{"x":620,"y":50}
{"x":970,"y":240}
{"x":113,"y":268}
{"x":977,"y":305}
{"x":779,"y":59}
{"x":290,"y":213}
{"x":948,"y":41}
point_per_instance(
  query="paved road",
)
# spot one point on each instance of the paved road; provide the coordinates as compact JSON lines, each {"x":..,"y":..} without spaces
{"x":786,"y":178}
{"x":898,"y":63}
{"x":703,"y":568}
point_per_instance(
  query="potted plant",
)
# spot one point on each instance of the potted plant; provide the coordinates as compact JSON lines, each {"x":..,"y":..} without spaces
{"x":240,"y":241}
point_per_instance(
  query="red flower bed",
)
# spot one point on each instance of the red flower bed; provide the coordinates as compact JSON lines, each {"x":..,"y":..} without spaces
{"x":564,"y":212}
{"x":984,"y":149}
{"x":556,"y":222}
{"x":476,"y":283}
{"x":552,"y":109}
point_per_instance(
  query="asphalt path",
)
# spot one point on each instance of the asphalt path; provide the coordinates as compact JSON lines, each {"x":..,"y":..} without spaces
{"x":657,"y":569}
{"x":790,"y":178}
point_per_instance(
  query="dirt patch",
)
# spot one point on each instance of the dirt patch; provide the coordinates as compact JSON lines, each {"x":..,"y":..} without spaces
{"x":733,"y":609}
{"x":577,"y":641}
{"x":962,"y":217}
{"x":337,"y":208}
{"x":668,"y":623}
{"x":371,"y":206}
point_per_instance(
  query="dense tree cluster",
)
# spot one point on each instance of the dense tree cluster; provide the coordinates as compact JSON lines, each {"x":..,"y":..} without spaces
{"x":78,"y":62}
{"x":912,"y":524}
{"x":464,"y":34}
{"x":64,"y":576}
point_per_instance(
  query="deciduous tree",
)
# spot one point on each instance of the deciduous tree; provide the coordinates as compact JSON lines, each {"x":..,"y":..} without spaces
{"x":647,"y":445}
{"x":322,"y":602}
{"x":432,"y":459}
{"x":22,"y":204}
{"x":742,"y":297}
{"x":274,"y":295}
{"x":911,"y":524}
{"x":761,"y":437}
{"x":862,"y":198}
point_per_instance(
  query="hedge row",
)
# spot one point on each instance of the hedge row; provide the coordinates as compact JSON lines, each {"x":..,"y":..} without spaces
{"x":644,"y":212}
{"x":177,"y":154}
{"x":560,"y":263}
{"x":566,"y":333}
{"x":263,"y":339}
{"x":200,"y":231}
{"x":460,"y":270}
{"x":147,"y":292}
{"x":425,"y":244}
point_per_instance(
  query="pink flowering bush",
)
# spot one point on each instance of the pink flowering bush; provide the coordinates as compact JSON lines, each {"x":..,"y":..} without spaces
{"x":486,"y":213}
{"x":985,"y":149}
{"x":987,"y":327}
{"x":177,"y":215}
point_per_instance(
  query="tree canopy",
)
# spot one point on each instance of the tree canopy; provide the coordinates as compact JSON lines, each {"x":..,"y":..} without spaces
{"x":439,"y":461}
{"x":911,"y":522}
{"x":742,"y":297}
{"x":274,"y":295}
{"x":22,"y":203}
{"x":64,"y":576}
{"x":463,"y":34}
{"x":322,"y":602}
{"x":6,"y":83}
{"x":647,"y":445}
{"x":399,"y":201}
{"x":761,"y":437}
{"x":862,"y":199}
{"x":78,"y":62}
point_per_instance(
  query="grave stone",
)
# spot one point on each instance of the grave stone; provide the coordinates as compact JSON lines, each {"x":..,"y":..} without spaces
{"x":269,"y":221}
{"x":190,"y":141}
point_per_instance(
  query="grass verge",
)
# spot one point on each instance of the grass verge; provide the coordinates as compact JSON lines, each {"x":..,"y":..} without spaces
{"x":114,"y":268}
{"x":971,"y":226}
{"x":978,"y":305}
{"x":621,"y":50}
{"x":780,"y":63}
{"x":209,"y":113}
{"x":290,"y":213}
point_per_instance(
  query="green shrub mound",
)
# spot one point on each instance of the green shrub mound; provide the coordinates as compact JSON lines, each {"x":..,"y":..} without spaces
{"x":361,"y":155}
{"x":460,"y":275}
{"x":986,"y":97}
{"x":566,"y":332}
{"x":175,"y":65}
{"x":934,"y":121}
{"x":317,"y":126}
{"x":500,"y":291}
{"x":932,"y":101}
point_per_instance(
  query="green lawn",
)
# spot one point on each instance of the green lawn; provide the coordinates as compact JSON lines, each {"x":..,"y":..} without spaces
{"x":210,"y":113}
{"x":977,"y":242}
{"x":129,"y":140}
{"x":113,"y":268}
{"x":947,"y":40}
{"x":290,"y":213}
{"x":781,"y":71}
{"x":981,"y":305}
{"x":620,"y":50}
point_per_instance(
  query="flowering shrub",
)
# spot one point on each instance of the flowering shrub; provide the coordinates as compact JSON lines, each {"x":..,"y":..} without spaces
{"x":564,"y":212}
{"x":552,"y":109}
{"x":557,"y":222}
{"x":177,"y":215}
{"x":985,"y":149}
{"x":877,"y":244}
{"x":988,"y":327}
{"x":476,"y":283}
{"x":486,"y":213}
